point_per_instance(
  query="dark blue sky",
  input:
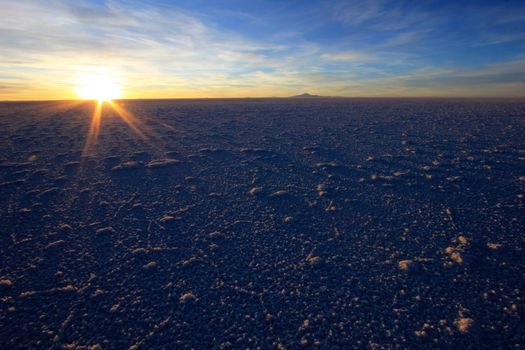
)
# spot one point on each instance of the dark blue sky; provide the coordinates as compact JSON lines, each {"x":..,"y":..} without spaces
{"x":267,"y":48}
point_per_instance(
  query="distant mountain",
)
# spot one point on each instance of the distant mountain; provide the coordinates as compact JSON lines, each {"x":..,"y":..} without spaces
{"x":305,"y":95}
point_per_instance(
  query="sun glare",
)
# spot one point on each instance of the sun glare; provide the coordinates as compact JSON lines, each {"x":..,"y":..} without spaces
{"x":101,"y":87}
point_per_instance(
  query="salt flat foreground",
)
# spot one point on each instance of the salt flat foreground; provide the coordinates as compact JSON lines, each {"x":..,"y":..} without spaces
{"x":325,"y":223}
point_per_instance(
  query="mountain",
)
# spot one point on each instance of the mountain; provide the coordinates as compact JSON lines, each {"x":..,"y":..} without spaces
{"x":305,"y":95}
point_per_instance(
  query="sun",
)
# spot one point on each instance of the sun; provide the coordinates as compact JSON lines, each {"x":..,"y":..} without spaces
{"x":100,"y":86}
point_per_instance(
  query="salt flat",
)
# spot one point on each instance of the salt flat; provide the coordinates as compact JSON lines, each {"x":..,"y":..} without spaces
{"x":270,"y":223}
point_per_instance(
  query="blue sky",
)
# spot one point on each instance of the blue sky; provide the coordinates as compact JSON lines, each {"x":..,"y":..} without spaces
{"x":264,"y":48}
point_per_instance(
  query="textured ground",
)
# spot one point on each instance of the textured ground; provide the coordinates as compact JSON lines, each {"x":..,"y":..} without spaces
{"x":263,"y":223}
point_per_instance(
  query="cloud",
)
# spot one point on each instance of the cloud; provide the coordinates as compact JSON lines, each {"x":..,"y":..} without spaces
{"x":355,"y":13}
{"x":500,"y":79}
{"x":382,"y":14}
{"x":402,"y":39}
{"x":138,"y":40}
{"x":349,"y":56}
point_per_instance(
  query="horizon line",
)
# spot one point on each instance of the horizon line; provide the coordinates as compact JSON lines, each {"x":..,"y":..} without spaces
{"x":296,"y":97}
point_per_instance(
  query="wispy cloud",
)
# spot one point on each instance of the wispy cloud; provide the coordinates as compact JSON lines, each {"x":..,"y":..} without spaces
{"x":502,"y":79}
{"x":349,"y":56}
{"x":382,"y":14}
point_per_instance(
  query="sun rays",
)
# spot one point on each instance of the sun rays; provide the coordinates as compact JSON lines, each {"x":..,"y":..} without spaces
{"x":94,"y":128}
{"x":129,"y":119}
{"x":135,"y":124}
{"x":104,"y":86}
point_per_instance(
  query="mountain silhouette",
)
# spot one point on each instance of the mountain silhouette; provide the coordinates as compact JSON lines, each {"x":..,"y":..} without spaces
{"x":305,"y":95}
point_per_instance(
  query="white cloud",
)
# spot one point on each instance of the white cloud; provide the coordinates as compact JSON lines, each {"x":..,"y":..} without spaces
{"x":349,"y":56}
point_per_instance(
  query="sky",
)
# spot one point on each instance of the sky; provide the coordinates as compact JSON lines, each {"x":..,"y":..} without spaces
{"x":186,"y":49}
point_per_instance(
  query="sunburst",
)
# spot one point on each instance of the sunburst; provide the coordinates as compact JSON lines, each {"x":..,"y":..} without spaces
{"x":101,"y":86}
